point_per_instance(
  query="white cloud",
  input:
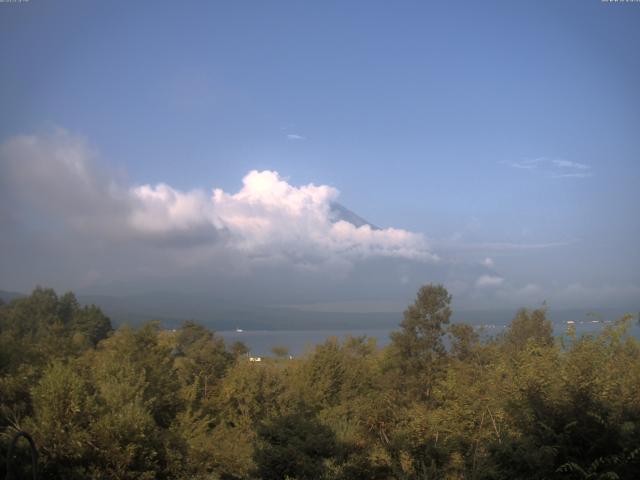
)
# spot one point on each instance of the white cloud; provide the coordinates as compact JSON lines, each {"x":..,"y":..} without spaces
{"x":488,"y":281}
{"x":294,"y":136}
{"x":161,"y":209}
{"x":554,"y":167}
{"x":270,"y":217}
{"x":569,"y":164}
{"x":488,"y":262}
{"x":525,"y":164}
{"x":573,"y":175}
{"x":267,"y":220}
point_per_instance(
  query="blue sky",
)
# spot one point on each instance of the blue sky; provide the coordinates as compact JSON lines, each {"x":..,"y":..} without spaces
{"x":501,"y":130}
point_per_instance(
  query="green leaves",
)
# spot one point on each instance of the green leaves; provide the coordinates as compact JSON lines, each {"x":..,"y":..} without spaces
{"x":293,"y":446}
{"x":417,"y":352}
{"x":149,"y":403}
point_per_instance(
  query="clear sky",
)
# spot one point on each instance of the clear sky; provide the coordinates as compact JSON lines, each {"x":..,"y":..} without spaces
{"x":500,"y":139}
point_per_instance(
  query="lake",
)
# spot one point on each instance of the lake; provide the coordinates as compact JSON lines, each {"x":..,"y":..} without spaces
{"x":260,"y":342}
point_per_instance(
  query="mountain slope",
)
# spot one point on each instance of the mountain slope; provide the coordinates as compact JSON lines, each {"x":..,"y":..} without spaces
{"x":7,"y":296}
{"x":340,"y":212}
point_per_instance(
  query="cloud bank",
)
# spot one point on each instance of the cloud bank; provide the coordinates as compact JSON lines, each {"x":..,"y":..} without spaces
{"x":67,"y":223}
{"x":268,"y":220}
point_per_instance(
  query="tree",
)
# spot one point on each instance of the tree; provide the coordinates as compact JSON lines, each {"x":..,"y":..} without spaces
{"x":204,"y":362}
{"x":63,"y":410}
{"x":324,"y":374}
{"x":293,"y":446}
{"x":92,"y":323}
{"x":136,"y":399}
{"x":464,"y":340}
{"x":529,"y":326}
{"x":417,"y":349}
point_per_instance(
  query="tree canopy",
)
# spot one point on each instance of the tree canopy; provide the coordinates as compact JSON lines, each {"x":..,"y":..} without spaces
{"x":441,"y":401}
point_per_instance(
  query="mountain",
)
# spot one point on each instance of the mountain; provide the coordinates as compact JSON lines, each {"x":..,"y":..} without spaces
{"x":171,"y":309}
{"x":340,"y":212}
{"x":174,"y":308}
{"x":6,"y":296}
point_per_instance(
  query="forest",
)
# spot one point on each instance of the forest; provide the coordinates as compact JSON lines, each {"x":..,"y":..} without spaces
{"x":441,"y":401}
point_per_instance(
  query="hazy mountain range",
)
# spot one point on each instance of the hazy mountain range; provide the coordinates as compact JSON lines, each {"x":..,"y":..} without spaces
{"x":173,"y":308}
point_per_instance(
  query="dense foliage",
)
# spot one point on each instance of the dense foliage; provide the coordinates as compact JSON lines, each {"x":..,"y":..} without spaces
{"x":438,"y":403}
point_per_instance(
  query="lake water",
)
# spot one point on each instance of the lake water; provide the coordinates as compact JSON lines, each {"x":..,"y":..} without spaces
{"x":260,"y":342}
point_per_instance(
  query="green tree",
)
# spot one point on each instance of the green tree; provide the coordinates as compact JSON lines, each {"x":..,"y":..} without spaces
{"x":464,"y":340}
{"x":90,"y":322}
{"x":63,"y":410}
{"x":293,"y":446}
{"x":203,"y":363}
{"x":417,"y":349}
{"x":529,"y":326}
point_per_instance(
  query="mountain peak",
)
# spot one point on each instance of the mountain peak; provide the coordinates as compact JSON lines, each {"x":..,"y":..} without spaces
{"x":340,"y":212}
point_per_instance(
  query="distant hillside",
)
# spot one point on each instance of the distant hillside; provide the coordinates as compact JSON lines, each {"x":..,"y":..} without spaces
{"x":6,"y":296}
{"x":171,"y":309}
